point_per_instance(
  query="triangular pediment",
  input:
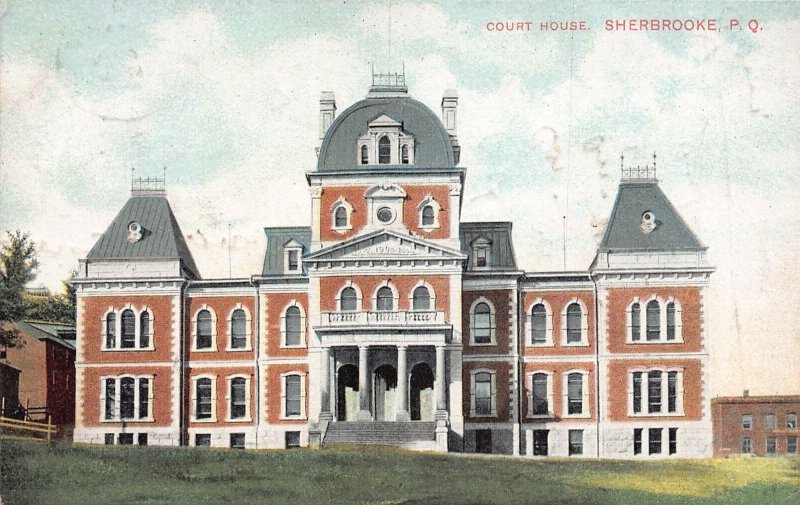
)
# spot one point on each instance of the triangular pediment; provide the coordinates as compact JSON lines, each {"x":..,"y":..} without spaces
{"x":385,"y":245}
{"x":384,"y":121}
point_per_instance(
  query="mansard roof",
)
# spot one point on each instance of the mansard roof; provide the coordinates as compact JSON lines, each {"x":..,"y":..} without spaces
{"x":498,"y":237}
{"x":161,"y":236}
{"x":625,"y":229}
{"x":433,"y":147}
{"x":277,"y":238}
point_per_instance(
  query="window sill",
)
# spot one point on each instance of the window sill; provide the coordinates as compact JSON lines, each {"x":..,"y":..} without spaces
{"x":247,"y":419}
{"x":482,"y":416}
{"x":577,"y":416}
{"x":210,"y":349}
{"x":301,"y":346}
{"x":542,"y":344}
{"x":549,"y":415}
{"x":653,"y":342}
{"x":429,"y":229}
{"x":238,"y":349}
{"x":119,"y":420}
{"x":582,"y":343}
{"x":128,"y":349}
{"x":482,"y":344}
{"x":342,"y":229}
{"x":657,"y":414}
{"x":203,"y":421}
{"x":293,"y":418}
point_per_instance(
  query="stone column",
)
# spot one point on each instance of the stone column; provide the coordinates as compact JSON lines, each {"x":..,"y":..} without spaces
{"x":402,"y":384}
{"x":441,"y":384}
{"x":325,"y":413}
{"x":364,"y":413}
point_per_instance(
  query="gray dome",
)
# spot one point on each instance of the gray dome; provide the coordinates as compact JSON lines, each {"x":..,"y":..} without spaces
{"x":433,"y":148}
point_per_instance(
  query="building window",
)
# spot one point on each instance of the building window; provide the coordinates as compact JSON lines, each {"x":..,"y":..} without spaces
{"x":340,"y":220}
{"x":672,"y":391}
{"x":791,"y":445}
{"x":292,"y":327}
{"x":428,"y":210}
{"x":637,"y":392}
{"x":653,"y":320}
{"x":202,"y":440}
{"x":144,"y":329}
{"x":636,"y":322}
{"x":384,"y":300}
{"x":421,"y":299}
{"x":541,"y":392}
{"x":238,"y":399}
{"x":575,"y":442}
{"x":128,"y":329}
{"x":637,"y":441}
{"x":659,"y":325}
{"x":654,"y":392}
{"x":540,"y":442}
{"x":541,"y":324}
{"x":483,"y":394}
{"x":239,"y":329}
{"x":662,"y":393}
{"x":772,"y":445}
{"x":293,"y":396}
{"x":791,"y":420}
{"x":654,"y":440}
{"x":125,"y":439}
{"x":575,"y":391}
{"x":747,"y":421}
{"x":237,"y":440}
{"x":364,"y":155}
{"x":135,"y":330}
{"x":348,"y":299}
{"x":747,"y":446}
{"x":404,"y":155}
{"x":292,"y":439}
{"x":341,"y":211}
{"x":111,"y":330}
{"x":204,"y":399}
{"x":771,"y":421}
{"x":109,"y":438}
{"x":673,"y":440}
{"x":671,"y":321}
{"x":575,"y":324}
{"x":205,"y":333}
{"x":127,"y":398}
{"x":141,"y":439}
{"x":427,"y":216}
{"x":384,"y":151}
{"x":293,"y":260}
{"x":482,"y":322}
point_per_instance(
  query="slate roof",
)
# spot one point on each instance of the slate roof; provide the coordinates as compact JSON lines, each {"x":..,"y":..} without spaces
{"x":624,"y":233}
{"x":60,"y":333}
{"x":277,"y":237}
{"x":432,"y":145}
{"x":501,"y":248}
{"x":161,"y":238}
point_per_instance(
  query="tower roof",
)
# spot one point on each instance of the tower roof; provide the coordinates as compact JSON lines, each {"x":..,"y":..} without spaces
{"x":161,"y":236}
{"x":630,"y":228}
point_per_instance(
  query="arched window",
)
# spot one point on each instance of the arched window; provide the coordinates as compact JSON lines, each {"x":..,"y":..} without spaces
{"x":422,"y":299}
{"x":204,"y":335}
{"x":348,"y":300}
{"x":128,"y":329}
{"x":482,"y":324}
{"x":204,"y":399}
{"x":540,"y":395}
{"x":404,"y":155}
{"x":384,"y":151}
{"x":653,"y":320}
{"x":575,"y":393}
{"x":428,"y":216}
{"x":238,"y":399}
{"x":636,"y":322}
{"x":292,"y":396}
{"x":364,"y":155}
{"x":483,"y":394}
{"x":111,"y":330}
{"x":385,"y":298}
{"x":238,"y":329}
{"x":574,"y":323}
{"x":671,"y":321}
{"x":127,"y":400}
{"x":340,"y":218}
{"x":144,"y":329}
{"x":539,"y":324}
{"x":293,"y":326}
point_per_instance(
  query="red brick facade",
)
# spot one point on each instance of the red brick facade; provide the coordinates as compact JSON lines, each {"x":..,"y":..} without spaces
{"x":756,"y":425}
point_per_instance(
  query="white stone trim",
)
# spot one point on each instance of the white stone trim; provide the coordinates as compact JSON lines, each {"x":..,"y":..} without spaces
{"x":193,"y":413}
{"x":492,"y":322}
{"x":229,"y":398}
{"x":359,"y":296}
{"x":585,"y":408}
{"x":293,"y":303}
{"x":137,"y":332}
{"x":213,"y":347}
{"x":342,"y":203}
{"x":248,"y":345}
{"x":137,"y":378}
{"x":437,"y":208}
{"x":431,"y":292}
{"x":584,"y":342}
{"x":293,"y":247}
{"x":548,"y":332}
{"x":303,"y":394}
{"x":645,"y":396}
{"x":493,"y":393}
{"x":395,"y":295}
{"x":550,"y":400}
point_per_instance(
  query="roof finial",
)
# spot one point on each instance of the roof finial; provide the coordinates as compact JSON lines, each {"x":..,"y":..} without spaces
{"x":133,"y":172}
{"x":621,"y":159}
{"x":654,"y":160}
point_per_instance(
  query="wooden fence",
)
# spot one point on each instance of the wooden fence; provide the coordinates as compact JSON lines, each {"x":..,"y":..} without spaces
{"x":26,"y":425}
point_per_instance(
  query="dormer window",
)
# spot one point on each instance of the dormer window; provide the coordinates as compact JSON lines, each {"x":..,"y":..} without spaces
{"x":481,"y":252}
{"x":385,"y":143}
{"x":294,"y":261}
{"x":384,"y":151}
{"x":292,"y":253}
{"x":364,"y":155}
{"x":404,"y":154}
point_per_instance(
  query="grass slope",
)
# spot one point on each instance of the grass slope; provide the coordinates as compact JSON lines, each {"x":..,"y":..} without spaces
{"x":61,"y":474}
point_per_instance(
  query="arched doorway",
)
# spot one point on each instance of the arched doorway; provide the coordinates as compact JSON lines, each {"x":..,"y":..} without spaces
{"x":385,"y":388}
{"x":347,"y":393}
{"x":421,"y":400}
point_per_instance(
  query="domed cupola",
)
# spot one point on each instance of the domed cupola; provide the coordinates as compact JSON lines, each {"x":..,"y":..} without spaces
{"x":387,"y":130}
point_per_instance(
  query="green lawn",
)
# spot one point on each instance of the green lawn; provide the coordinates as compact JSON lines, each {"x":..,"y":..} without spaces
{"x":34,"y":473}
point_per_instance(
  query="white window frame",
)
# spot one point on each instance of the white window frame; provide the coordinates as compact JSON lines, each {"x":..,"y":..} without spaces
{"x":584,"y":342}
{"x":248,"y":330}
{"x":662,"y":304}
{"x":431,"y":293}
{"x":137,"y":313}
{"x":585,"y":410}
{"x":213,"y":347}
{"x":193,"y":413}
{"x":492,"y":322}
{"x":395,"y":296}
{"x":548,"y":331}
{"x":229,"y":398}
{"x":136,"y":398}
{"x":493,"y":397}
{"x":342,"y":203}
{"x":485,"y":245}
{"x":359,"y":297}
{"x":293,"y":247}
{"x":437,"y":208}
{"x":302,"y":344}
{"x":303,"y":395}
{"x":645,"y":400}
{"x":550,"y":402}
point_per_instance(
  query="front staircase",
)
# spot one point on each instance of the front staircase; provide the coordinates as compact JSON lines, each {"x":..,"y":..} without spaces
{"x":420,"y":435}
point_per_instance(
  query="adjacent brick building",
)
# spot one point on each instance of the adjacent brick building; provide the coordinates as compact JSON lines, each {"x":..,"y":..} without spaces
{"x":389,"y":311}
{"x":755,"y":425}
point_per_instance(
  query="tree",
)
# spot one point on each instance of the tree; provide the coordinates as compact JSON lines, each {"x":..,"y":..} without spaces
{"x":18,"y":265}
{"x":58,"y":308}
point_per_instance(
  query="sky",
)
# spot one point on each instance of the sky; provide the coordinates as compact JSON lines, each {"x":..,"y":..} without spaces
{"x":223,"y":97}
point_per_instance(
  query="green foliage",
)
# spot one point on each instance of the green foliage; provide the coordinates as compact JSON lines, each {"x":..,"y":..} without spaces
{"x":18,"y":265}
{"x":58,"y":308}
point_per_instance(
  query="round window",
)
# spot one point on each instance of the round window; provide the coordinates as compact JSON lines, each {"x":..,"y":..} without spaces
{"x":385,"y":215}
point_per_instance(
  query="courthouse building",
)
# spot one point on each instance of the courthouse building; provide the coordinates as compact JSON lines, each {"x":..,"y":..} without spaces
{"x":390,"y":320}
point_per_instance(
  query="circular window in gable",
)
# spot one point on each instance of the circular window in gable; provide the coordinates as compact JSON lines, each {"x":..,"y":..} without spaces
{"x":385,"y":215}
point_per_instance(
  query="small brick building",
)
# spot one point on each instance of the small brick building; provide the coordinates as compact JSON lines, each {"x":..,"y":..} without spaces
{"x":757,"y":425}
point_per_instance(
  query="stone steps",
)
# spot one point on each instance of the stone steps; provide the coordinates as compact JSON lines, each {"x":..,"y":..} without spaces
{"x":380,"y":432}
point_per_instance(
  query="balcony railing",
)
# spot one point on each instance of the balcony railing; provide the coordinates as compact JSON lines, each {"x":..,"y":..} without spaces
{"x":381,"y":318}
